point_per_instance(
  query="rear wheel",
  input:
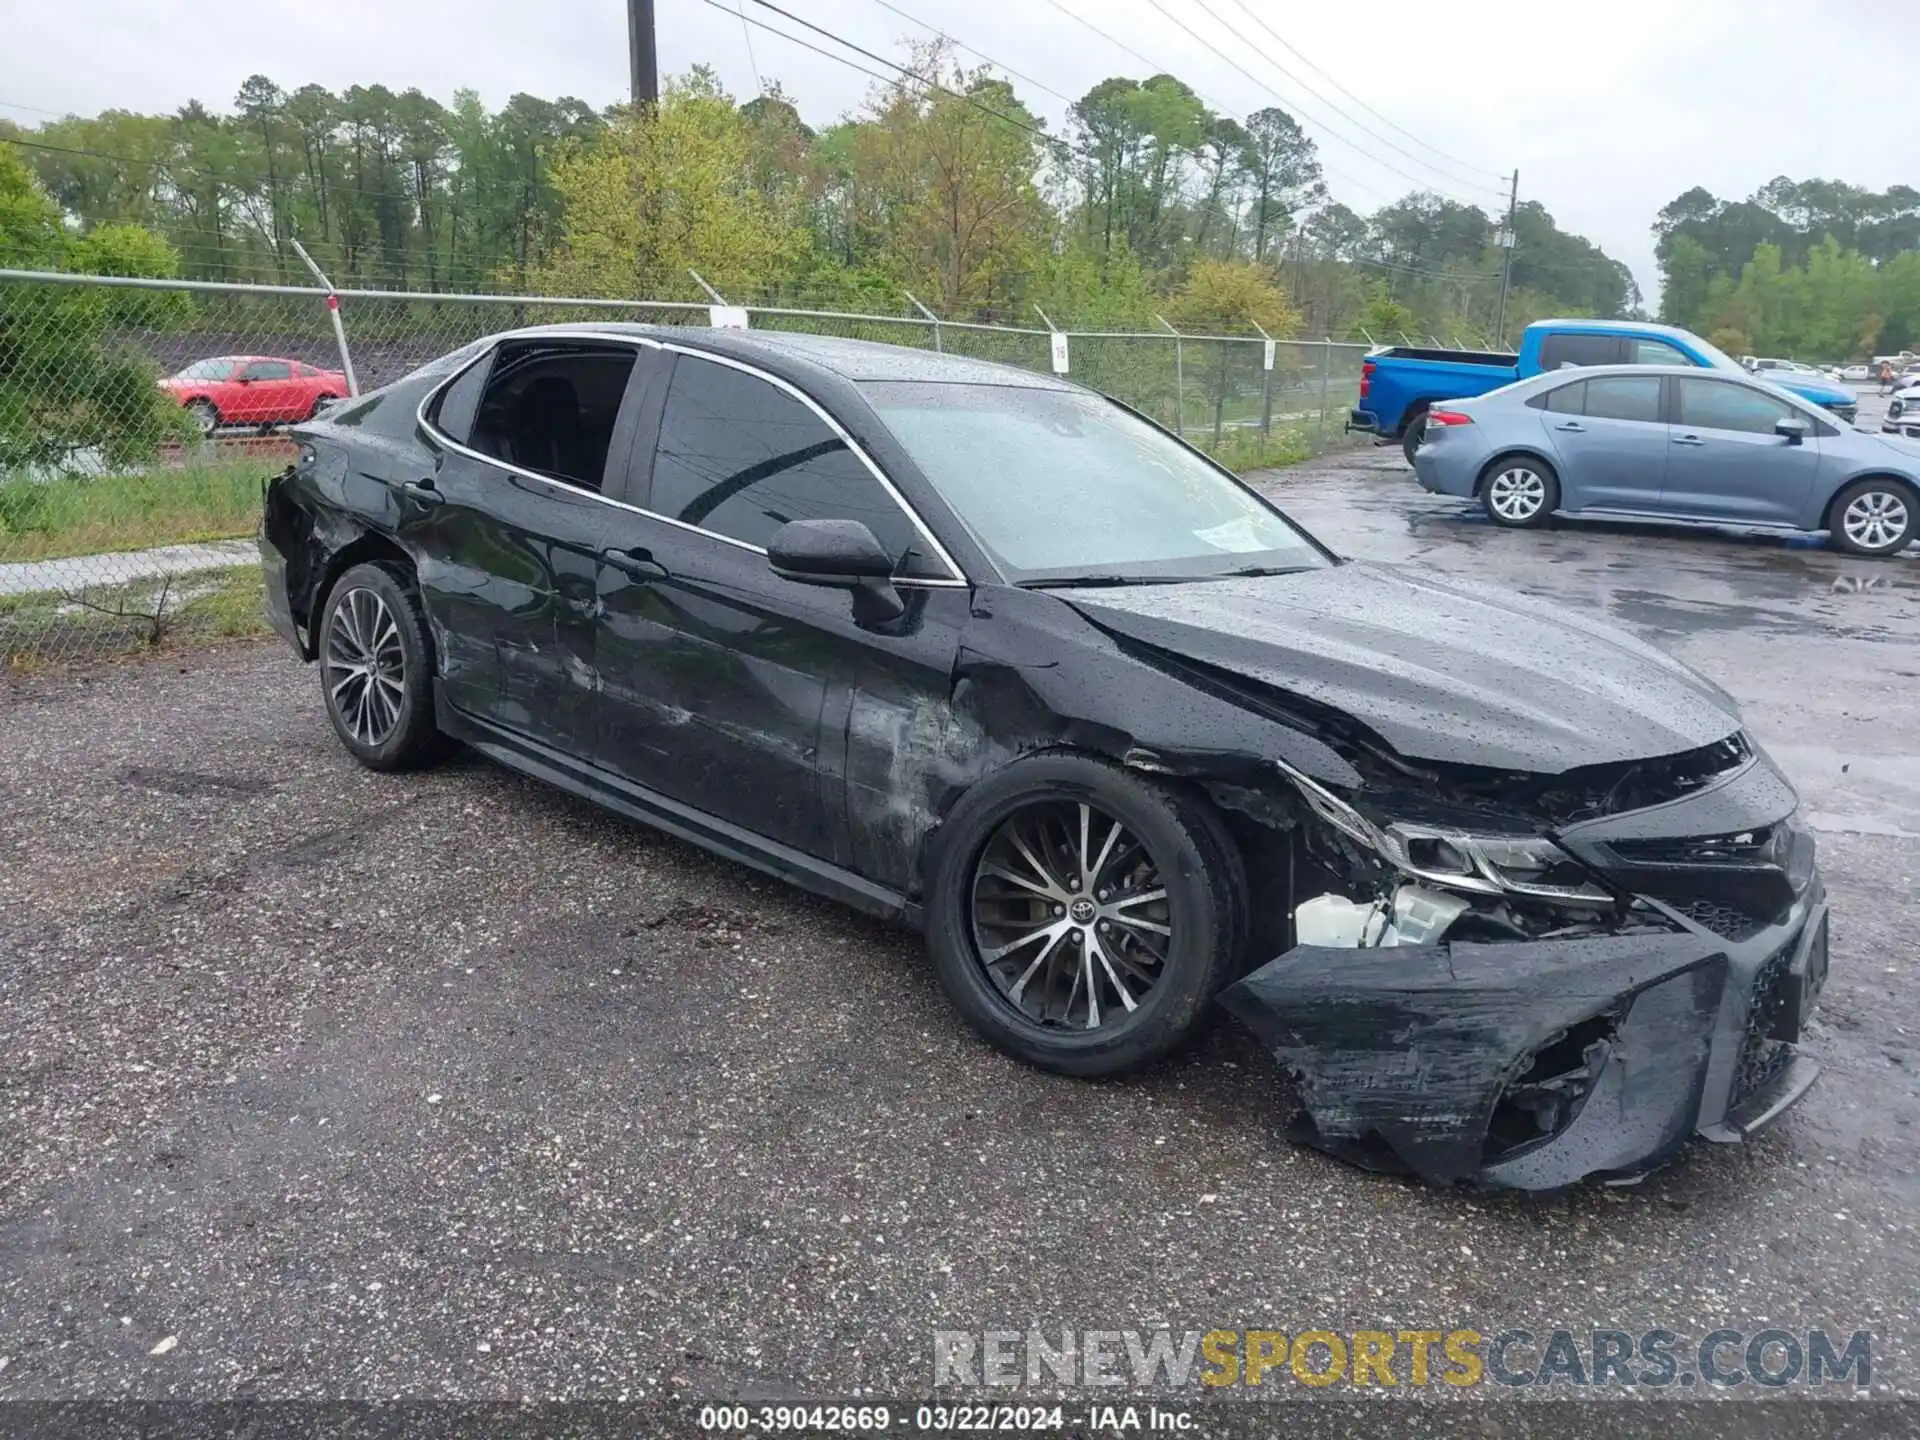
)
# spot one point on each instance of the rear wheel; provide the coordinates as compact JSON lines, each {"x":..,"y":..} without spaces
{"x":1873,"y":517}
{"x":321,"y":404}
{"x":1519,"y":491}
{"x":1081,"y":917}
{"x":376,"y":670}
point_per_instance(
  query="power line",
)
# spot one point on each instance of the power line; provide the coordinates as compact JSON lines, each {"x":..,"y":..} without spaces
{"x":1425,"y":182}
{"x":906,"y":73}
{"x":1385,"y":120}
{"x":944,"y":35}
{"x":1154,"y":65}
{"x":746,"y":33}
{"x":1011,"y":120}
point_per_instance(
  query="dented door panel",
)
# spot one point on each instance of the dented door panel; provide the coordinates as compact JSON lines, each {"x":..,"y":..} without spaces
{"x":507,"y":572}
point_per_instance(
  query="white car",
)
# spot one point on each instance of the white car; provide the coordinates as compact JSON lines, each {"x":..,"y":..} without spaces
{"x":1856,"y":372}
{"x":1903,"y":409}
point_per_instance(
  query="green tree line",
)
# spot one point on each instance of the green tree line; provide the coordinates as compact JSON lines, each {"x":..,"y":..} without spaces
{"x":945,"y":185}
{"x":1805,"y":269}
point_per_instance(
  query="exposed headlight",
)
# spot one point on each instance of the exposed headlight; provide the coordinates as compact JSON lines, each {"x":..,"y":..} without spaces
{"x":1479,"y":864}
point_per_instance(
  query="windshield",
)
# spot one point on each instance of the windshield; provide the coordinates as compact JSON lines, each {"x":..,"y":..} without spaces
{"x":206,"y":370}
{"x":1063,"y":486}
{"x":1718,"y":359}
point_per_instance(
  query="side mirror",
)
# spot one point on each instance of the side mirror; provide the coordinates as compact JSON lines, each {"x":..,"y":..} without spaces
{"x":1791,"y":429}
{"x":841,"y":555}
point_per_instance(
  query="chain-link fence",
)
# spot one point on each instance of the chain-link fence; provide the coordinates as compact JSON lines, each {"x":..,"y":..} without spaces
{"x":139,"y":420}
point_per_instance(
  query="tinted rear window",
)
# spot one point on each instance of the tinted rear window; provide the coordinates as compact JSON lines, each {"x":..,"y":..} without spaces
{"x":1557,"y":351}
{"x":1624,"y":397}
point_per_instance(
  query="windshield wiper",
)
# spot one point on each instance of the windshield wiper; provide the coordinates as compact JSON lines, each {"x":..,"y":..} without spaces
{"x":1255,"y":570}
{"x":1099,"y":582}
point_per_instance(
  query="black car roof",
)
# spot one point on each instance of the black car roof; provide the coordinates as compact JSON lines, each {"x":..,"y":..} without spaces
{"x":800,"y":357}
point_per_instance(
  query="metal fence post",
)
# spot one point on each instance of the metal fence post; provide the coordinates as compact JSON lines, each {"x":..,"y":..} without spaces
{"x":1326,"y":362}
{"x":333,"y":314}
{"x":1179,"y":380}
{"x":1220,"y":393}
{"x":930,"y":315}
{"x":1266,"y":384}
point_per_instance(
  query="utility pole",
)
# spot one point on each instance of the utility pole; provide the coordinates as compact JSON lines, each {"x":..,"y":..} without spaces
{"x":640,"y":44}
{"x":1506,"y":268}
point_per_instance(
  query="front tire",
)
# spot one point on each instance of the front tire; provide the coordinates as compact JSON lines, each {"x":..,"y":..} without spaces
{"x":205,"y":414}
{"x":1519,"y":492}
{"x":1081,"y":917}
{"x":376,"y":670}
{"x":1873,"y":517}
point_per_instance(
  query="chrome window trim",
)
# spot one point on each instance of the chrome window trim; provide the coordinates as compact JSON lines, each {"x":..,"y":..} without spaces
{"x":955,"y":577}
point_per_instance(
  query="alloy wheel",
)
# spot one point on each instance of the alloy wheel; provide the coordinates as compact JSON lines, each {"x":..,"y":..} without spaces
{"x":1517,"y":493}
{"x":1875,"y":520}
{"x":366,"y":667}
{"x":1070,"y":916}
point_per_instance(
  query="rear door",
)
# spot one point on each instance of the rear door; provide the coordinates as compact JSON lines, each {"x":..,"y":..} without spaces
{"x":1611,"y":441}
{"x":506,"y":532}
{"x":739,"y":693}
{"x":1725,"y":460}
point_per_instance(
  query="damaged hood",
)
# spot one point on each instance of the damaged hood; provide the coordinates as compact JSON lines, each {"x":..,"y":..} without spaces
{"x":1444,"y":670}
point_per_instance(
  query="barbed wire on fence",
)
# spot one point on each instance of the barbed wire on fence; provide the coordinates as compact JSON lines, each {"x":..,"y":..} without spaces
{"x":140,"y":418}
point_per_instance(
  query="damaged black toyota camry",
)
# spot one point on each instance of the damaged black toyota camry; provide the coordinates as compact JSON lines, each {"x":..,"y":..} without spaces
{"x":1512,"y":897}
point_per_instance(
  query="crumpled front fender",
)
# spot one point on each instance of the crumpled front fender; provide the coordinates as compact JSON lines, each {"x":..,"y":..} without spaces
{"x":1402,"y":1053}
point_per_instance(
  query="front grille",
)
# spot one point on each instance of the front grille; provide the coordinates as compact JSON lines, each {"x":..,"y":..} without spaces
{"x":1761,"y":1056}
{"x":1726,"y":921}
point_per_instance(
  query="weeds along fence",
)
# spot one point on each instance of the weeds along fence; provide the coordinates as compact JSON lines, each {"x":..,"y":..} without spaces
{"x":129,"y":495}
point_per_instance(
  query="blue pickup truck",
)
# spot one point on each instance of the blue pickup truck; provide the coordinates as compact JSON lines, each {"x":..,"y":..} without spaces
{"x":1398,"y":384}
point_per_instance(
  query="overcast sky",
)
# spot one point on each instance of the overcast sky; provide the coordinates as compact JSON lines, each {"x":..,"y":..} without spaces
{"x":1608,"y":110}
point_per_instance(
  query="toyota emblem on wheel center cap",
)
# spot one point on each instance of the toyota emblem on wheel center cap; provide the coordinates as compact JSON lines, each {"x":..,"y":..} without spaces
{"x":1082,"y":910}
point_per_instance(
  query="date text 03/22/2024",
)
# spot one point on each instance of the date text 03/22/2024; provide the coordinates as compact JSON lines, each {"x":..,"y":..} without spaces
{"x":945,"y":1419}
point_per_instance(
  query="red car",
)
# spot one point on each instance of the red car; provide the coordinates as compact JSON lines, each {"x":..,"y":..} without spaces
{"x":253,"y":390}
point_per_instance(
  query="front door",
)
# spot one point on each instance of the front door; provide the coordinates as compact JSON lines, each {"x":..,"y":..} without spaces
{"x":266,"y":392}
{"x":1611,"y":441}
{"x":1726,"y":461}
{"x":506,"y":533}
{"x":726,"y":687}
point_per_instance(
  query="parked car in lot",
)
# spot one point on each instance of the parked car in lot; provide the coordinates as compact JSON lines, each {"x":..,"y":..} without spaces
{"x":979,"y":649}
{"x":1856,"y":373}
{"x":1903,"y":409}
{"x":254,"y":390}
{"x":1673,"y":443}
{"x":1399,"y":386}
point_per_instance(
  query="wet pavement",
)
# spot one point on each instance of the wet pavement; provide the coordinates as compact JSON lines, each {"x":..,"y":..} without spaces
{"x":449,"y":1085}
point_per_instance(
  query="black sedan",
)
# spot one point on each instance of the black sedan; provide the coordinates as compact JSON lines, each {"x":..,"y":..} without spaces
{"x":1511,"y":895}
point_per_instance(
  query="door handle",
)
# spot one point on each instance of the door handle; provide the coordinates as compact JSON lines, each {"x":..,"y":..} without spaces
{"x":637,"y":562}
{"x":1688,"y":440}
{"x":423,"y":491}
{"x":1573,"y":427}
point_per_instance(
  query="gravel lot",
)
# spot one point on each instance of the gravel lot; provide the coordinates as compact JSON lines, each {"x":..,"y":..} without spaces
{"x":451,"y":1086}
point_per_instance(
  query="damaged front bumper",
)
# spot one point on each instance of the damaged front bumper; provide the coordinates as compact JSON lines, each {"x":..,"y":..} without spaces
{"x":1535,"y":1064}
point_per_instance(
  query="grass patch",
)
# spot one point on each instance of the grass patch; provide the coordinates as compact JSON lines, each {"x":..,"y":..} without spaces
{"x":110,"y":622}
{"x":1244,"y":450}
{"x":90,"y":515}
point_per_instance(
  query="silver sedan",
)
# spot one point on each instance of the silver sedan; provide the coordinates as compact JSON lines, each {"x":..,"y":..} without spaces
{"x":1672,"y":443}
